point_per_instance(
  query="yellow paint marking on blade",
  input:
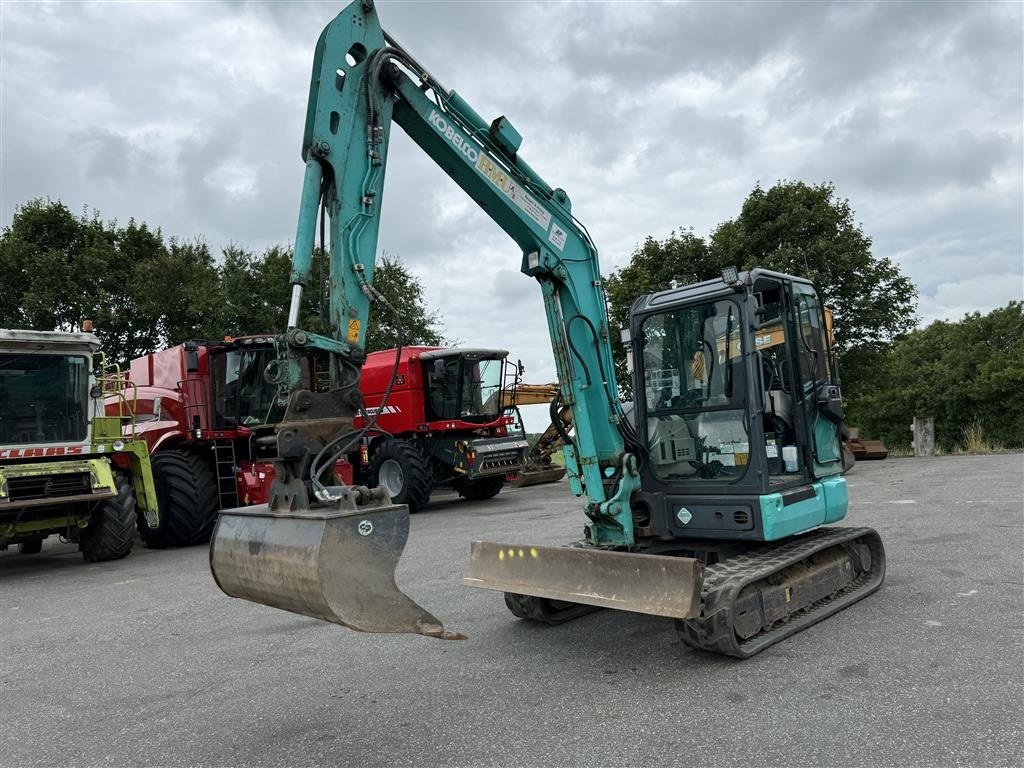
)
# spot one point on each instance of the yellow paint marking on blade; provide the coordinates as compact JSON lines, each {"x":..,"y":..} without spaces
{"x":627,"y":581}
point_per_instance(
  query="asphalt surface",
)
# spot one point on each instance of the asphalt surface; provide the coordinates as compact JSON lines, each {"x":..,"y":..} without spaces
{"x":143,"y":662}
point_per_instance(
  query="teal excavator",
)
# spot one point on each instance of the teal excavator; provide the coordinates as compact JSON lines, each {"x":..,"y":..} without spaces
{"x":710,"y":501}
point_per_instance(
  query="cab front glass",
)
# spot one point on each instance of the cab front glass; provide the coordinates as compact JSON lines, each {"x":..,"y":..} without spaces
{"x":464,"y":388}
{"x":242,"y":396}
{"x":695,"y":393}
{"x":43,"y":398}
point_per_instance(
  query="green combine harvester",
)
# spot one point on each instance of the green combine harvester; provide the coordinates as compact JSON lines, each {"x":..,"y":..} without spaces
{"x":66,"y":468}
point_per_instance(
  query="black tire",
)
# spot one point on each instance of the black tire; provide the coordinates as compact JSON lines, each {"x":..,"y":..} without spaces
{"x":406,"y":472}
{"x":186,"y":494}
{"x":30,"y":547}
{"x":481,"y":488}
{"x":110,"y":534}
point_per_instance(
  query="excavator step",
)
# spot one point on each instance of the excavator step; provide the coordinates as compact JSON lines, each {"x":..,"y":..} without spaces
{"x":753,"y":600}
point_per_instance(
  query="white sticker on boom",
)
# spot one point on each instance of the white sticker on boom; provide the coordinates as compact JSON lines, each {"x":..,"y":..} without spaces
{"x":557,"y":236}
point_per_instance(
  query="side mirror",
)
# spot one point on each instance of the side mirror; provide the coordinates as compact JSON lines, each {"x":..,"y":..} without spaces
{"x":768,"y":315}
{"x":191,"y":358}
{"x":440,"y":371}
{"x":830,"y":403}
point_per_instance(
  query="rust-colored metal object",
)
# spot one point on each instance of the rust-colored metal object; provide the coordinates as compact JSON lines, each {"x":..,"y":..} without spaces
{"x":628,"y":581}
{"x":536,"y":474}
{"x":865,"y":449}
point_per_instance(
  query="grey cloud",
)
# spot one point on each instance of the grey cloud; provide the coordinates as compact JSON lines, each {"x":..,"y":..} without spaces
{"x":652,"y":116}
{"x":962,"y":159}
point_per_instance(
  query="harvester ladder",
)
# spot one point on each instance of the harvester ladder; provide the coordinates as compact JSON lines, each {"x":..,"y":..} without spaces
{"x":224,"y":463}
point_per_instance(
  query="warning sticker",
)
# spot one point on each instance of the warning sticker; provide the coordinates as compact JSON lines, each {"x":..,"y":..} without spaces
{"x":557,"y":236}
{"x":495,"y":174}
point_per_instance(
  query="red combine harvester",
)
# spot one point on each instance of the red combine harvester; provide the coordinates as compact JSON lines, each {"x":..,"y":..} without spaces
{"x":208,"y":414}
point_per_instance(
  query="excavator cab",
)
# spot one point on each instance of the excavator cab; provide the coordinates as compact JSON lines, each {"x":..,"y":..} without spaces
{"x":738,"y":402}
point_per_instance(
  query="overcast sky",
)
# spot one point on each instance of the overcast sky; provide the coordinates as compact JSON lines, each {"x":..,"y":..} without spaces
{"x":653,"y":117}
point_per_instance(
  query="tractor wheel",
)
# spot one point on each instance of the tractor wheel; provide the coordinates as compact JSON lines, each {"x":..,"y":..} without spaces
{"x":403,"y":472}
{"x":186,"y":494}
{"x":111,"y":532}
{"x":479,"y":489}
{"x":30,"y":547}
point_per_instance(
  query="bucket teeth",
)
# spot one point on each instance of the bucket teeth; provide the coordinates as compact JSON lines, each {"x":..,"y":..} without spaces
{"x":334,"y":563}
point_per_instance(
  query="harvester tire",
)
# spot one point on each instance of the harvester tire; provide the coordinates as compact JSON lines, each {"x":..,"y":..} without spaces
{"x":186,"y":493}
{"x":404,"y":473}
{"x":111,"y":531}
{"x":481,"y":488}
{"x":30,"y":547}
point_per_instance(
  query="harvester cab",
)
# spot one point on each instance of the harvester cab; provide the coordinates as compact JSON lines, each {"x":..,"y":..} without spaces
{"x":435,"y":419}
{"x":706,"y":508}
{"x":65,"y":467}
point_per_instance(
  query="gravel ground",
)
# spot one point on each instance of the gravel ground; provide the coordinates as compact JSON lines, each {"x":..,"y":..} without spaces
{"x":143,"y":662}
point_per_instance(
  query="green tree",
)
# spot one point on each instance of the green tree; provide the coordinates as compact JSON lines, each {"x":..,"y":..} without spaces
{"x":60,"y":270}
{"x":795,"y":228}
{"x":38,"y":255}
{"x":958,"y":373}
{"x":257,"y":293}
{"x":404,"y":291}
{"x":808,"y":231}
{"x":679,"y":259}
{"x":180,"y":289}
{"x":143,"y":293}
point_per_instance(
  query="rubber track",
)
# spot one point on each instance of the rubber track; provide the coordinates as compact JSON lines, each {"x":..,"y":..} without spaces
{"x":543,"y":611}
{"x":713,"y":629}
{"x":111,"y":533}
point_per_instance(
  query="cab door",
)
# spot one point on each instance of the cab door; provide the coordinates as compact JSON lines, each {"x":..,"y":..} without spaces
{"x":822,"y":400}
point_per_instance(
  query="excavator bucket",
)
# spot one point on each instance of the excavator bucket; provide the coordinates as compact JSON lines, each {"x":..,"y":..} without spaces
{"x":337,"y":565}
{"x":656,"y":584}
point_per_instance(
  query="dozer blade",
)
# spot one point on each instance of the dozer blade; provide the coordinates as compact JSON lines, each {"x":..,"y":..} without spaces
{"x":655,"y":584}
{"x":334,"y":565}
